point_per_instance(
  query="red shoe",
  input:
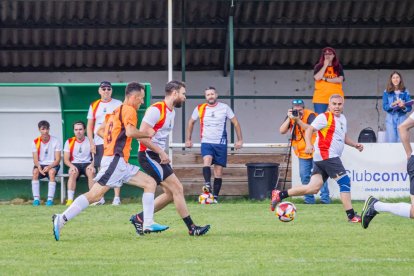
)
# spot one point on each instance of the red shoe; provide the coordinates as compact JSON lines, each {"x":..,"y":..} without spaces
{"x":275,"y":199}
{"x":355,"y":219}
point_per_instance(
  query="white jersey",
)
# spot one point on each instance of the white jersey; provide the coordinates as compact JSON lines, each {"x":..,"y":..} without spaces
{"x":79,"y":152}
{"x":46,"y":151}
{"x":330,"y":140}
{"x":213,"y":119}
{"x":161,"y":119}
{"x":97,"y":111}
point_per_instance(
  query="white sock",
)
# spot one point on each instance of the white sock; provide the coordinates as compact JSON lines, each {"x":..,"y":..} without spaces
{"x":148,"y":208}
{"x":117,"y":198}
{"x":51,"y":191}
{"x":400,"y":209}
{"x":80,"y":203}
{"x":36,"y":189}
{"x":71,"y":194}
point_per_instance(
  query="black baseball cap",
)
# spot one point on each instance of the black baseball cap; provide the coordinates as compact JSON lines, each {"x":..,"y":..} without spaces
{"x":105,"y":84}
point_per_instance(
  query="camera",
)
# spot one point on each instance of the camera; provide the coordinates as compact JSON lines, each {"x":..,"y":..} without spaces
{"x":295,"y":113}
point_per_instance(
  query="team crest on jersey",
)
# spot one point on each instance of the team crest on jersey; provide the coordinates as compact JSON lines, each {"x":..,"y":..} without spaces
{"x":104,"y":111}
{"x":80,"y":149}
{"x":46,"y":152}
{"x":212,"y":114}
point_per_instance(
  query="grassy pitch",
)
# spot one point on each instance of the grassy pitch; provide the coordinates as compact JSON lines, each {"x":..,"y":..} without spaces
{"x":245,"y":239}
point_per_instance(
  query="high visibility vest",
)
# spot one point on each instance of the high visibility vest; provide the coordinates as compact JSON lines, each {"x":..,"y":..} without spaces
{"x":298,"y":139}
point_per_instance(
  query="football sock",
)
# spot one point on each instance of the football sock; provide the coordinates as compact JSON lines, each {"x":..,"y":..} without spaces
{"x":51,"y":191}
{"x":401,"y":209}
{"x":148,"y":207}
{"x":71,"y":194}
{"x":189,"y":222}
{"x":35,"y":189}
{"x":207,"y":174}
{"x":217,"y":186}
{"x":80,"y":203}
{"x":283,"y":195}
{"x":350,"y":213}
{"x":140,"y":217}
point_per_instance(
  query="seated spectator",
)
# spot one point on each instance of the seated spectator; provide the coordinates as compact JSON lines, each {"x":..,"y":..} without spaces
{"x":77,"y":156}
{"x":46,"y":151}
{"x":393,"y":102}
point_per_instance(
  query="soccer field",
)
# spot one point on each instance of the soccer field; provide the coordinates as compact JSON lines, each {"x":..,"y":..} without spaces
{"x":245,"y":239}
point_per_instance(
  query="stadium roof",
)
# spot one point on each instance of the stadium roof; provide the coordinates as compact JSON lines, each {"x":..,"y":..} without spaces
{"x":73,"y":35}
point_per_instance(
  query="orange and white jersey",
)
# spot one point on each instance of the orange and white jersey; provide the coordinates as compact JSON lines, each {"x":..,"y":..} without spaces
{"x":161,"y":119}
{"x":80,"y":152}
{"x":46,"y":151}
{"x":97,"y":111}
{"x":213,"y":119}
{"x":330,"y":140}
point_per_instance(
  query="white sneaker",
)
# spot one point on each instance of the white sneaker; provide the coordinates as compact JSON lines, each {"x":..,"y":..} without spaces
{"x":57,"y":221}
{"x":100,"y":202}
{"x":116,"y":201}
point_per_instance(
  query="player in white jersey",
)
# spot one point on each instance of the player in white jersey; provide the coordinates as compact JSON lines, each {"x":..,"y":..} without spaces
{"x":46,"y":150}
{"x":77,"y":157}
{"x":96,"y":116}
{"x":213,"y":117}
{"x":374,"y":206}
{"x":155,"y":161}
{"x":329,"y":144}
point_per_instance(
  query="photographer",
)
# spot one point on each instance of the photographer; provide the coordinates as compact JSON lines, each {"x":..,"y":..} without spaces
{"x":297,"y":120}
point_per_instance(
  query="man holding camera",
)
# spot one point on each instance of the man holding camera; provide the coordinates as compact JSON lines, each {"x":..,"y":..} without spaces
{"x":297,"y":119}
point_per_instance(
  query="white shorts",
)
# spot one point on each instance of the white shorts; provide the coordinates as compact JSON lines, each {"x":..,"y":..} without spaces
{"x":115,"y":171}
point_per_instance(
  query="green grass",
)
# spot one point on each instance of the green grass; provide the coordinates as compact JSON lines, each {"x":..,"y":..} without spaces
{"x":245,"y":239}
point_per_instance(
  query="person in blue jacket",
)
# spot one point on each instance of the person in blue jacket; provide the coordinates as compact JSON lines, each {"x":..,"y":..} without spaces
{"x":396,"y":102}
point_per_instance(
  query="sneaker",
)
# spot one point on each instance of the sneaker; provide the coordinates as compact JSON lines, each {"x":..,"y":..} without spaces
{"x":355,"y":219}
{"x":207,"y":188}
{"x":199,"y":230}
{"x":57,"y":225}
{"x":368,"y":212}
{"x":49,"y":202}
{"x":116,"y":201}
{"x":275,"y":199}
{"x":69,"y":202}
{"x":36,"y":202}
{"x":137,"y":223}
{"x":155,"y":228}
{"x":100,"y":202}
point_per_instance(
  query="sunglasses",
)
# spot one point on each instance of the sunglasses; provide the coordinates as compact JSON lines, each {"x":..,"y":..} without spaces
{"x":297,"y":102}
{"x":106,"y":89}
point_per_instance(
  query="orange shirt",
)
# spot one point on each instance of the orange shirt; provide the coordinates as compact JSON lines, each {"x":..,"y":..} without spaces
{"x":115,"y":140}
{"x":324,"y":90}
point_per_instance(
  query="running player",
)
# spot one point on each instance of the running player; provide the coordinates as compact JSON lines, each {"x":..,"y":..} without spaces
{"x":373,"y":206}
{"x":96,"y":116}
{"x":329,"y":145}
{"x":46,"y":150}
{"x":159,"y":117}
{"x":118,"y":131}
{"x":77,"y":157}
{"x":213,"y":117}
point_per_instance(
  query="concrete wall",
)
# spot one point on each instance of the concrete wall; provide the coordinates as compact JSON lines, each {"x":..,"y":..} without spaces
{"x":260,"y":119}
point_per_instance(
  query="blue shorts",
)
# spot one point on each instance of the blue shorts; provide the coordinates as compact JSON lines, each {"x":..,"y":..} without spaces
{"x":217,"y":151}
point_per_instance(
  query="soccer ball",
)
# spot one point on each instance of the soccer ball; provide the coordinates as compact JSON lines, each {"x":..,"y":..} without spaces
{"x":206,"y":198}
{"x":286,"y":211}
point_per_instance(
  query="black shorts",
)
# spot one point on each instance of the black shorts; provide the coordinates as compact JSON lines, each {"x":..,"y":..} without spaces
{"x":41,"y":176}
{"x":81,"y":168}
{"x":331,"y":167}
{"x":410,"y":171}
{"x":149,"y":161}
{"x":98,"y":155}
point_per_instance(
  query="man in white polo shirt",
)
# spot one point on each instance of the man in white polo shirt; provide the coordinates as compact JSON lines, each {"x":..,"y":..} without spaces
{"x":46,"y":150}
{"x":213,"y":117}
{"x":96,"y":116}
{"x":77,"y":156}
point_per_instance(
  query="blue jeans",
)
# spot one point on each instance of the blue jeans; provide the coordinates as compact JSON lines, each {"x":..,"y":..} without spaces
{"x":392,"y":121}
{"x":305,"y":170}
{"x":320,"y":108}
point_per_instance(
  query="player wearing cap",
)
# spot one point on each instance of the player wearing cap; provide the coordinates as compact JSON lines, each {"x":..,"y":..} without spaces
{"x":298,"y":118}
{"x":96,"y":116}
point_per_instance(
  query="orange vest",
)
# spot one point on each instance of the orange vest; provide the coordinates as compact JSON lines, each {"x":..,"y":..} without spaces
{"x":298,"y":143}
